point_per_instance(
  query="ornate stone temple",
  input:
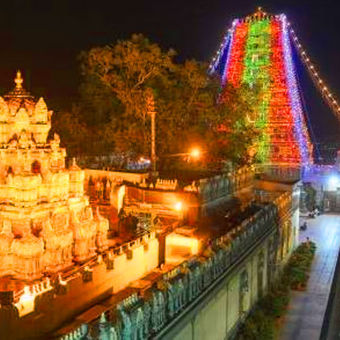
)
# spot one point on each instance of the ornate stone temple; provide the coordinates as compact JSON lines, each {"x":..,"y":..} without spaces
{"x":206,"y":250}
{"x":46,"y":221}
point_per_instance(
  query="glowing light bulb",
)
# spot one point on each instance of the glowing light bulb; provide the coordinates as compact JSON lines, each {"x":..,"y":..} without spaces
{"x":178,"y":206}
{"x":195,"y":153}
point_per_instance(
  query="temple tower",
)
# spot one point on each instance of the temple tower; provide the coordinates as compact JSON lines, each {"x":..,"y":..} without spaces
{"x":257,"y":51}
{"x":46,"y":221}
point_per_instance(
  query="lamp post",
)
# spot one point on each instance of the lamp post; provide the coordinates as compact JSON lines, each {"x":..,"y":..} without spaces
{"x":151,"y":111}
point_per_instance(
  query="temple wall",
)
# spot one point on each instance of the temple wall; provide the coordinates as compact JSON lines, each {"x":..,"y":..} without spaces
{"x":185,"y":333}
{"x":254,"y":284}
{"x":115,"y":176}
{"x":206,"y":297}
{"x":219,"y":318}
{"x":160,"y":199}
{"x":128,"y":270}
{"x":132,"y":264}
{"x":210,"y":323}
{"x":232,"y":303}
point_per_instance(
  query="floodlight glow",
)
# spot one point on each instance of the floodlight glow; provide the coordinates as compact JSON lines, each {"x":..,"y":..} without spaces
{"x":195,"y":153}
{"x":333,"y":182}
{"x":144,"y":160}
{"x":178,"y":206}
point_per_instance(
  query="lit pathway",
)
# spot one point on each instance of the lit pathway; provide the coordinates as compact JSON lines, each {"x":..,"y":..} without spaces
{"x":306,"y":310}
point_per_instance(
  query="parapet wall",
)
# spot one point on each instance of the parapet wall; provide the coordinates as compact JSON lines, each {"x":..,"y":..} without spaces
{"x":77,"y":290}
{"x":115,"y":176}
{"x":235,"y":269}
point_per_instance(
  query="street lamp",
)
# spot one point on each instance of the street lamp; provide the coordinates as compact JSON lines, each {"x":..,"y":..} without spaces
{"x":178,"y":206}
{"x":195,"y":153}
{"x":151,"y":111}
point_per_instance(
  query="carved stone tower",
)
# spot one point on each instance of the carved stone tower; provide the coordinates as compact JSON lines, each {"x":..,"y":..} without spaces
{"x":45,"y":219}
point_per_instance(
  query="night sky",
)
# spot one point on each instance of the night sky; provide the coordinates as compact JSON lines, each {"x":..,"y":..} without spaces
{"x":43,"y":38}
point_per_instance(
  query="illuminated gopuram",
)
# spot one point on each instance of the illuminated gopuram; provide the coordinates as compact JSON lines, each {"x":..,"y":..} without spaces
{"x":46,"y":222}
{"x":257,"y":51}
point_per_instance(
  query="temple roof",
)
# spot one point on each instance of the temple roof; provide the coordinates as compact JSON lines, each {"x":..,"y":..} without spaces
{"x":19,"y":96}
{"x":259,"y":14}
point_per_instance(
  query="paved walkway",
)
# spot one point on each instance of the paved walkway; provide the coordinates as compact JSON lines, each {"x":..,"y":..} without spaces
{"x":306,"y":310}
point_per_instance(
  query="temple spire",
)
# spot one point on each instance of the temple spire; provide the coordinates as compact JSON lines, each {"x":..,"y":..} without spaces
{"x":18,"y":81}
{"x":19,"y":91}
{"x":258,"y":14}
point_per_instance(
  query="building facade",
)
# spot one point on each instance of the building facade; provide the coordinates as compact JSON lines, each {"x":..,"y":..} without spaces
{"x":207,"y":251}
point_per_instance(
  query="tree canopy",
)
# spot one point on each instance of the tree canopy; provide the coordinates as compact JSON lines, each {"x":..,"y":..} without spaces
{"x":192,"y":109}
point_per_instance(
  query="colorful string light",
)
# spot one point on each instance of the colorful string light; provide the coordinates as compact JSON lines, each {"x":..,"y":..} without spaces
{"x":300,"y":126}
{"x":217,"y":60}
{"x":256,"y":70}
{"x":260,"y":54}
{"x":329,"y":97}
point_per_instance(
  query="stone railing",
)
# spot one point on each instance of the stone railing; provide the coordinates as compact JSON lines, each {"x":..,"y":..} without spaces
{"x":166,"y":184}
{"x":279,"y":172}
{"x":142,"y":316}
{"x":109,"y":255}
{"x":222,"y":185}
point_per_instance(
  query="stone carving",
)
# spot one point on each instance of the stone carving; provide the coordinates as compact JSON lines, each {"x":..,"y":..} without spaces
{"x":126,"y":333}
{"x":33,"y":174}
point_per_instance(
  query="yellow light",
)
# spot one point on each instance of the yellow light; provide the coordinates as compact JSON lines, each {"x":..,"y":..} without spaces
{"x":195,"y":153}
{"x":27,"y":296}
{"x":174,"y":240}
{"x":25,"y":305}
{"x":178,"y":206}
